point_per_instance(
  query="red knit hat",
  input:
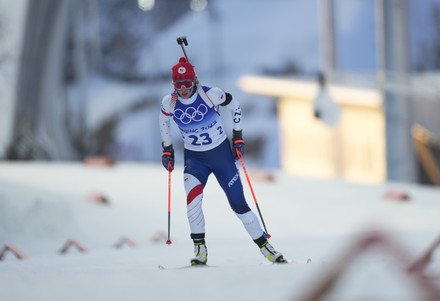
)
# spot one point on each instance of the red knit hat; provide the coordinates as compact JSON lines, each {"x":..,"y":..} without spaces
{"x":183,"y":70}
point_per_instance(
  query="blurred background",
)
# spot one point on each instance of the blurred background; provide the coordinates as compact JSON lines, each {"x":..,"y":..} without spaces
{"x":85,"y":78}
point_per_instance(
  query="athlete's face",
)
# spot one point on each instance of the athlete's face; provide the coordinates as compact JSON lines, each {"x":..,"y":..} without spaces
{"x":184,"y":88}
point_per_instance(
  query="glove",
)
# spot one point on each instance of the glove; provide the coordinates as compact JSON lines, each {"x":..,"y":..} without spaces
{"x":168,"y":157}
{"x":238,"y":143}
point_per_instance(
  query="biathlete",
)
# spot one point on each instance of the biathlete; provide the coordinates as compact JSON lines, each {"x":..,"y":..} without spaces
{"x":194,"y":108}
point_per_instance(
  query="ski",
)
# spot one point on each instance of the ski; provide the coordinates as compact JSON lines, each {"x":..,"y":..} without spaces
{"x":200,"y":266}
{"x":189,"y":266}
{"x":291,"y":261}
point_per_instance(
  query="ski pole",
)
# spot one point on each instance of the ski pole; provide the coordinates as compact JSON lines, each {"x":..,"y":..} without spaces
{"x":240,"y":156}
{"x":169,"y":203}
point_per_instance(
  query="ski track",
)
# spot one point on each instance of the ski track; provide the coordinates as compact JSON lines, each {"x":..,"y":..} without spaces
{"x":44,"y":205}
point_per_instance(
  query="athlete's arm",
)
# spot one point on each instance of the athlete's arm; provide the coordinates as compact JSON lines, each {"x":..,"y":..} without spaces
{"x":235,"y":108}
{"x":164,"y":121}
{"x":237,"y":137}
{"x":225,"y":99}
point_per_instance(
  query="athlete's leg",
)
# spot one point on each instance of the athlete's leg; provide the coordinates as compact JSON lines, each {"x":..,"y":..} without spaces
{"x":195,"y":178}
{"x":228,"y":177}
{"x":194,"y":197}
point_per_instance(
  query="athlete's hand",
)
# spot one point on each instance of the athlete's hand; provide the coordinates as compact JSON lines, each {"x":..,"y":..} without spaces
{"x":238,"y":143}
{"x":168,"y":157}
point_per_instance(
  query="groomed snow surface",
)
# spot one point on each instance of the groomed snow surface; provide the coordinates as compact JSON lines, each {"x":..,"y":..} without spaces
{"x":43,"y":205}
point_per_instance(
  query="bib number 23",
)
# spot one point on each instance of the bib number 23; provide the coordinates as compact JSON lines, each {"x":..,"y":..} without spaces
{"x":203,"y":138}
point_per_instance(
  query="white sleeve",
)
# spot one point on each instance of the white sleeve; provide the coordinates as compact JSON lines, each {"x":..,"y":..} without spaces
{"x":235,"y":108}
{"x":164,"y":121}
{"x":218,"y":97}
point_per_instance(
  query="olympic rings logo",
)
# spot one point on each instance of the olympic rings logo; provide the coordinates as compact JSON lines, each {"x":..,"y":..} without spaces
{"x":191,"y":114}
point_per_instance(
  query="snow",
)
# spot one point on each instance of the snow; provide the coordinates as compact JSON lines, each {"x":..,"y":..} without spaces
{"x":42,"y":205}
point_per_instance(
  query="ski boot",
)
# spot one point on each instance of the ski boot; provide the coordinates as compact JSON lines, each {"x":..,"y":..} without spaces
{"x":200,"y":254}
{"x":271,"y":254}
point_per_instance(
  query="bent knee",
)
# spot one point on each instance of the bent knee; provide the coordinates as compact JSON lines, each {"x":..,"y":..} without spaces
{"x":240,"y":208}
{"x":190,"y":182}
